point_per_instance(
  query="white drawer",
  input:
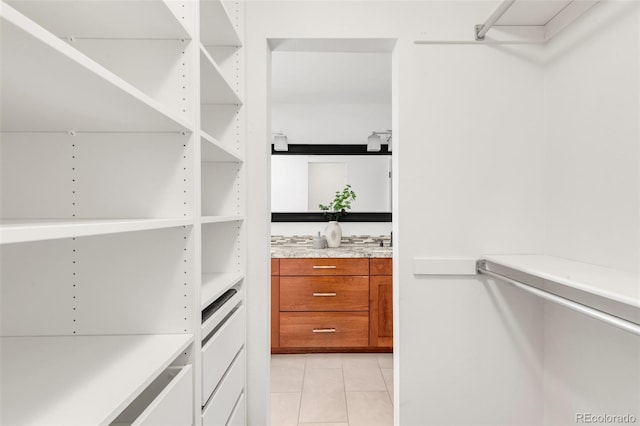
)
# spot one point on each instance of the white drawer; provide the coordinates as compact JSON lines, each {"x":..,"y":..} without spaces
{"x":214,"y":320}
{"x":220,"y":350}
{"x":220,"y":407}
{"x":237,"y":417}
{"x":167,"y":401}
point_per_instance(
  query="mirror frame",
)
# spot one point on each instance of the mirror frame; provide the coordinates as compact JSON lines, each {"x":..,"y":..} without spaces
{"x":300,"y":149}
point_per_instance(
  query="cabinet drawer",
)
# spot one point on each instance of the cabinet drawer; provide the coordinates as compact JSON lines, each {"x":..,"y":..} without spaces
{"x":220,"y":350}
{"x":381,"y":266}
{"x":347,"y":293}
{"x":238,"y":417}
{"x":220,"y":406}
{"x":324,"y":266}
{"x":324,"y":329}
{"x":167,"y":401}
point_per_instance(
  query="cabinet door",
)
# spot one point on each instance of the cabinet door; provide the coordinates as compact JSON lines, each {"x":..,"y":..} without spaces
{"x":381,"y":311}
{"x":275,"y":311}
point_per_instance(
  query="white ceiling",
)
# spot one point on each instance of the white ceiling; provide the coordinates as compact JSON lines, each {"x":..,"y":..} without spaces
{"x":331,"y":77}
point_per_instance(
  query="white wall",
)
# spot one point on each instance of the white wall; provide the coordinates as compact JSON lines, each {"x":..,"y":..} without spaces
{"x":593,"y":189}
{"x":330,"y":123}
{"x":467,"y":177}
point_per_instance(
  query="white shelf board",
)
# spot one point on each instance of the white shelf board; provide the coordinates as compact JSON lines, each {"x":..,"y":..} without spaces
{"x":216,"y":26}
{"x":612,"y":284}
{"x":25,"y":230}
{"x":105,"y":18}
{"x":214,"y":88}
{"x":80,"y":380}
{"x":214,"y":284}
{"x":214,"y":151}
{"x":47,"y":85}
{"x":220,"y":219}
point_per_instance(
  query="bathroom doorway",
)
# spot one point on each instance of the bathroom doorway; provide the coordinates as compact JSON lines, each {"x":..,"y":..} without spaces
{"x":332,"y":308}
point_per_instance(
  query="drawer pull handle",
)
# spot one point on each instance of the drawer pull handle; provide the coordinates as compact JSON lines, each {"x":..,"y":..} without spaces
{"x":324,"y":294}
{"x":324,"y":266}
{"x":324,"y":330}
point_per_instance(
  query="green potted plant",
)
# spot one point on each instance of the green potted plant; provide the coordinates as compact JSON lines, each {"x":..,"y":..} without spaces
{"x":334,"y":211}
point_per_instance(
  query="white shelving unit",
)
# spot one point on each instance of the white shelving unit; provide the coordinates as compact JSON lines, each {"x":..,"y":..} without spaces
{"x":221,"y":334}
{"x":122,"y":211}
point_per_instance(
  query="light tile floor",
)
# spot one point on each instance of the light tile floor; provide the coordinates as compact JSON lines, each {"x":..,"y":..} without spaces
{"x":332,"y":390}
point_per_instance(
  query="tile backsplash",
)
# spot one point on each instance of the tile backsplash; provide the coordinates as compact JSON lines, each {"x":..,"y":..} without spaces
{"x":347,"y":240}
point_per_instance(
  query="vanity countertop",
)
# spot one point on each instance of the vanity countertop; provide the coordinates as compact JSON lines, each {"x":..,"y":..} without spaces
{"x":346,"y":251}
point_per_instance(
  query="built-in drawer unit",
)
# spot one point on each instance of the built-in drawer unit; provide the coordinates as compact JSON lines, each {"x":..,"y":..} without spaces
{"x":219,"y":349}
{"x":328,"y":293}
{"x":324,"y":266}
{"x":220,"y":407}
{"x":331,"y":304}
{"x":324,"y":329}
{"x":167,"y":401}
{"x":213,"y":314}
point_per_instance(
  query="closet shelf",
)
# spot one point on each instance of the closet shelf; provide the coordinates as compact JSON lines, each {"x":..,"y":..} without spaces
{"x":612,"y":284}
{"x":604,"y":294}
{"x":80,"y":380}
{"x":49,"y":86}
{"x":26,"y":230}
{"x":220,"y":219}
{"x":216,"y":26}
{"x":214,"y":88}
{"x":214,"y":284}
{"x":214,"y":151}
{"x":106,"y":18}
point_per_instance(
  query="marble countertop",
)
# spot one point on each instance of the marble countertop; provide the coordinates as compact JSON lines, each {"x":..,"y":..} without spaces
{"x":291,"y":251}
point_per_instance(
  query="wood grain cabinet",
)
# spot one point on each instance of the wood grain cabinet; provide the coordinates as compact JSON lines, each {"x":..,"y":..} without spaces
{"x":381,"y":303}
{"x":325,"y":304}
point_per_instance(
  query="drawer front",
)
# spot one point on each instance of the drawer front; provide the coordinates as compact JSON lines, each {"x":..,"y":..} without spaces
{"x":347,"y":293}
{"x":220,"y":350}
{"x":324,"y":329}
{"x":381,"y":266}
{"x":238,"y":417}
{"x":167,"y":401}
{"x":220,"y":408}
{"x":173,"y":406}
{"x":275,"y":266}
{"x":324,"y":266}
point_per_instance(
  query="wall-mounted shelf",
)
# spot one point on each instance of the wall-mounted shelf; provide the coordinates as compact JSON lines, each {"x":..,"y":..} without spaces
{"x":604,"y":293}
{"x":36,"y":61}
{"x":214,"y":151}
{"x":533,"y":21}
{"x":214,"y":87}
{"x":221,"y":219}
{"x":217,"y":28}
{"x":107,"y":19}
{"x":20,"y":231}
{"x":74,"y":380}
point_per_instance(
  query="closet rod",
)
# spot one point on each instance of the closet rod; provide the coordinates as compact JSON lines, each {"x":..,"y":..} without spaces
{"x":578,"y":307}
{"x":481,"y":30}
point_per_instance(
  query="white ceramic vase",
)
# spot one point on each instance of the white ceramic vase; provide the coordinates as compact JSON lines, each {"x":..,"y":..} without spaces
{"x":333,"y":232}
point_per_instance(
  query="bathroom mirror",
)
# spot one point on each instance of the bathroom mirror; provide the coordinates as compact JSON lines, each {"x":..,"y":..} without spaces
{"x":324,"y":106}
{"x":300,"y":182}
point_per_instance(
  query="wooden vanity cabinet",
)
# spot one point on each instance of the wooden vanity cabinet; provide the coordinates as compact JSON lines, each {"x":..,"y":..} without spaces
{"x":325,"y":305}
{"x":381,"y":303}
{"x":275,"y":304}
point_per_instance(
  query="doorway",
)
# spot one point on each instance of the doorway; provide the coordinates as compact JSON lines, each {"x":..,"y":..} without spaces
{"x":332,"y":99}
